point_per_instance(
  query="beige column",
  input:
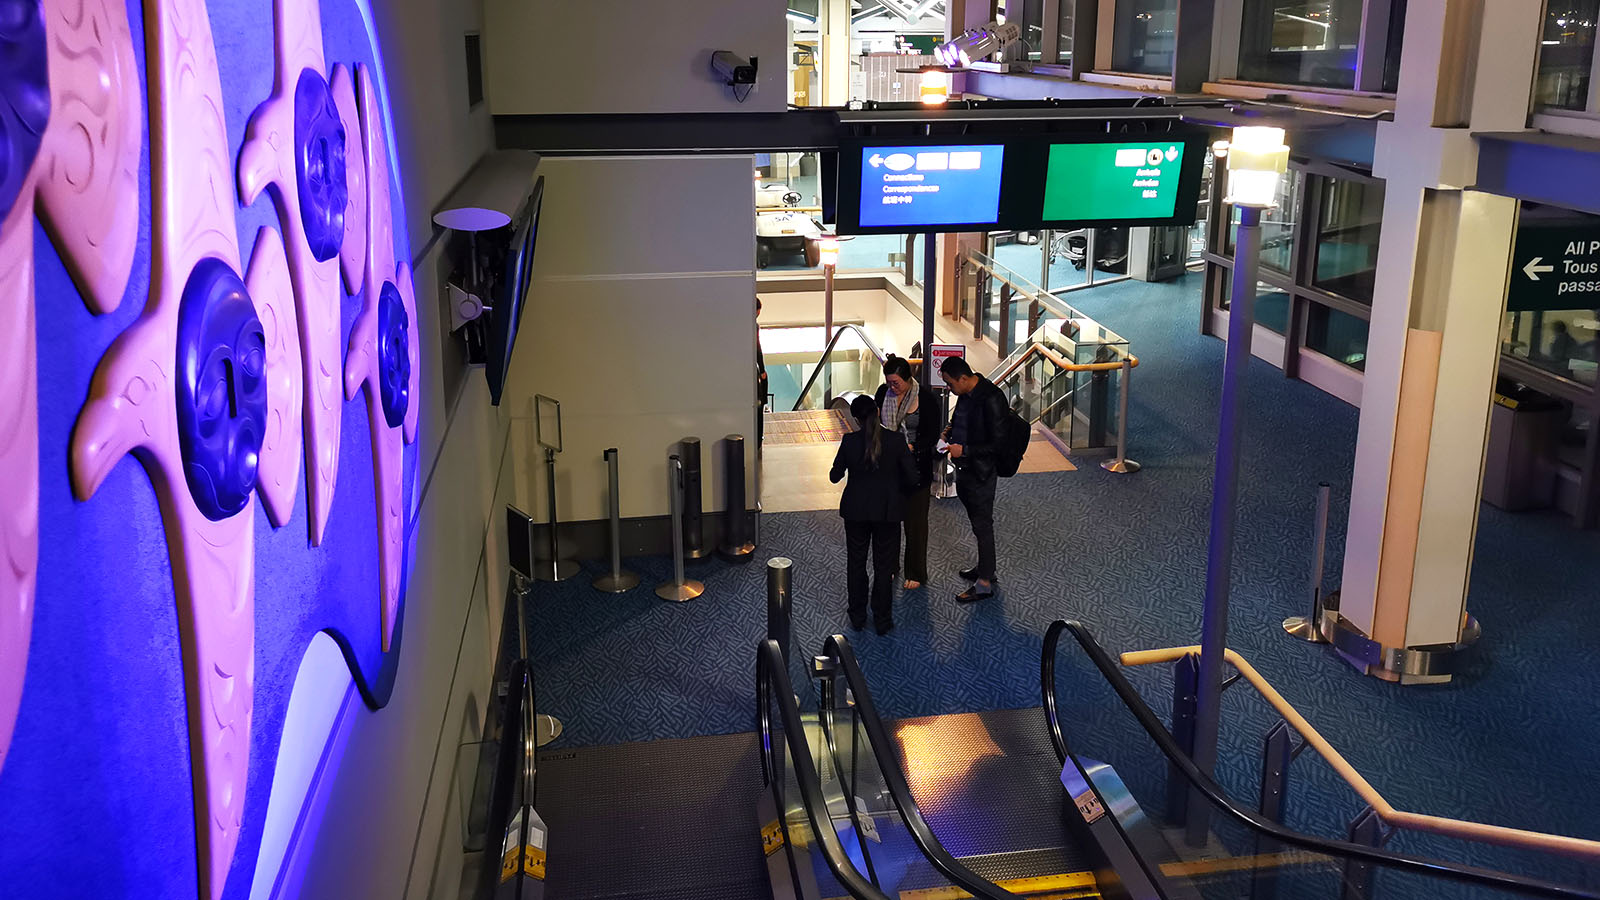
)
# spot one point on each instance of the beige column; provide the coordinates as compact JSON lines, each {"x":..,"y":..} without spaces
{"x":833,"y":73}
{"x":1433,"y":344}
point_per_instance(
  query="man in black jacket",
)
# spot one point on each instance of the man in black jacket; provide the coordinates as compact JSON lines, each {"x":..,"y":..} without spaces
{"x":974,"y":437}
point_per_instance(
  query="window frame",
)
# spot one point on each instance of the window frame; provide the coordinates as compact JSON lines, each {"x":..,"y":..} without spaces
{"x":1583,"y":122}
{"x":1372,"y":50}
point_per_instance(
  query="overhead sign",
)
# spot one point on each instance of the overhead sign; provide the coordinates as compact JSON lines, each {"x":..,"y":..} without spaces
{"x":1137,"y":180}
{"x":937,"y":354}
{"x":1017,"y":182}
{"x":1555,"y":268}
{"x":915,"y":188}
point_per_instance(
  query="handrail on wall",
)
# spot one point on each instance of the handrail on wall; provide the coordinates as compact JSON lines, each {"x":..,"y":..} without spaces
{"x":1456,"y":828}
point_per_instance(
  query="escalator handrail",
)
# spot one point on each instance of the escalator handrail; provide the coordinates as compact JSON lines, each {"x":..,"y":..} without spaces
{"x":772,"y":684}
{"x":878,"y":740}
{"x":502,"y":798}
{"x":1213,"y":792}
{"x":822,"y":360}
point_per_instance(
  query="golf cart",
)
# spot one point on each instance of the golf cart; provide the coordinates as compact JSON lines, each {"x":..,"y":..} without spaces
{"x":783,"y":226}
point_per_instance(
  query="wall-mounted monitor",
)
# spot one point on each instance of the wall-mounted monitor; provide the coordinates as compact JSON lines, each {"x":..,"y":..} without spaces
{"x":983,"y":183}
{"x":512,"y":291}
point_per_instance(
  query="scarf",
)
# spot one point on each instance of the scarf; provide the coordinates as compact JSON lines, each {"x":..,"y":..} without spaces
{"x":897,"y":406}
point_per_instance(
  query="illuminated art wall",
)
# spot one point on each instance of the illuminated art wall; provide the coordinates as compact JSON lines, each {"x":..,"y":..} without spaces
{"x":202,"y":266}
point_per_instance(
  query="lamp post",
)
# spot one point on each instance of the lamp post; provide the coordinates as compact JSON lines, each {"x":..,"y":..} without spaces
{"x":828,"y":254}
{"x":1257,"y":159}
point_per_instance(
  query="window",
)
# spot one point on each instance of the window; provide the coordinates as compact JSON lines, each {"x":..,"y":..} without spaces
{"x":1272,"y":303}
{"x":1064,"y":33}
{"x":1277,"y":226}
{"x":1027,"y":15}
{"x":1144,"y":36}
{"x":1347,"y":238}
{"x":1566,"y":54}
{"x":1337,"y":334}
{"x":1299,"y":42}
{"x":1561,"y":341}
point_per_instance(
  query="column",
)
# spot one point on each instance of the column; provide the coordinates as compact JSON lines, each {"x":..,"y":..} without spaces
{"x":833,"y":28}
{"x":1433,"y":344}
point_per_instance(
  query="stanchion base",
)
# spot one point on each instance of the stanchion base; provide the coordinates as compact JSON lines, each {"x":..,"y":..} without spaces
{"x":1302,"y":628}
{"x":1120,"y":466}
{"x":616,"y":584}
{"x":560,"y":570}
{"x":698,"y":553}
{"x":680,"y":593}
{"x":737,"y":552}
{"x":546,"y":729}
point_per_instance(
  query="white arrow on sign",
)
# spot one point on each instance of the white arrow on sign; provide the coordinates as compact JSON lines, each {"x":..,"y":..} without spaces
{"x":877,"y":161}
{"x":1532,"y":269}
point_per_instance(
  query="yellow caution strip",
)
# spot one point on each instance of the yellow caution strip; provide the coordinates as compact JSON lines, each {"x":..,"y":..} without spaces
{"x":1227,"y":864}
{"x":530,"y":858}
{"x":772,"y":837}
{"x":1066,"y":886}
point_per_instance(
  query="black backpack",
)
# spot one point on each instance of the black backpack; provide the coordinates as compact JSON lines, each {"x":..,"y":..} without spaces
{"x":1012,"y":434}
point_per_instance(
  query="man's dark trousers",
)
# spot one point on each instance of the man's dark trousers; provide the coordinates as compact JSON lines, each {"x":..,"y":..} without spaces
{"x":978,"y":497}
{"x":884,"y":540}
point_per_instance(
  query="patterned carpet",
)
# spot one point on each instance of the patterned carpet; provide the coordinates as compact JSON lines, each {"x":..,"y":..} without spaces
{"x":1511,"y":742}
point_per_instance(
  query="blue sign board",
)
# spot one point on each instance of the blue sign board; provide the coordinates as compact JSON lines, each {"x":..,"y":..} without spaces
{"x":918,"y":187}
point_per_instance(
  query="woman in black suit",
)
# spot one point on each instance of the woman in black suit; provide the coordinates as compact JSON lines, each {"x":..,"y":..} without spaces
{"x":909,"y":409}
{"x":881,"y":471}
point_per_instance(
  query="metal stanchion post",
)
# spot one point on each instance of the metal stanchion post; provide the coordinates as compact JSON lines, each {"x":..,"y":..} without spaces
{"x":736,"y":543}
{"x":546,"y":728}
{"x":694,"y":538}
{"x":780,"y":571}
{"x":616,"y":581}
{"x":1122,"y":465}
{"x":1309,"y":628}
{"x":679,"y":588}
{"x":555,"y":568}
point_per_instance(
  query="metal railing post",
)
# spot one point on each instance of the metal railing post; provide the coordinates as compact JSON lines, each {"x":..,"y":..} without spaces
{"x":1366,"y":828}
{"x":1185,"y":687}
{"x":1309,"y":628}
{"x":780,"y":573}
{"x":1276,"y":754}
{"x":616,"y":581}
{"x":679,"y":589}
{"x":1122,"y":465}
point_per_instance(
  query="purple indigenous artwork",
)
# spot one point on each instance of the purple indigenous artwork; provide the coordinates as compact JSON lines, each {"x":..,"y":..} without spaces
{"x":186,"y":390}
{"x":353,"y":255}
{"x":383,"y":356}
{"x":69,"y":140}
{"x":297,"y":144}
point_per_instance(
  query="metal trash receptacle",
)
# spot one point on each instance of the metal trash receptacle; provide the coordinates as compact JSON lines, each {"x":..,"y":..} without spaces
{"x":1519,"y":467}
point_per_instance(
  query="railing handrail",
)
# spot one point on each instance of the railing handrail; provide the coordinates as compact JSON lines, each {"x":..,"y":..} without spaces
{"x":772,"y":684}
{"x":1038,"y":349}
{"x":879,"y":742}
{"x":1214,"y":793}
{"x":1456,"y":828}
{"x":822,"y":361}
{"x":1032,"y":291}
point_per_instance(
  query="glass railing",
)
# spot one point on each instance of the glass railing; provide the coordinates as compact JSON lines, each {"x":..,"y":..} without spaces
{"x":1068,"y":376}
{"x":1194,"y":838}
{"x":850,"y":363}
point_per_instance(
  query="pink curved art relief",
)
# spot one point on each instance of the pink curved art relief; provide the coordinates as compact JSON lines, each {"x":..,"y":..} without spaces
{"x":132,"y":408}
{"x":364,"y":365}
{"x":353,"y":254}
{"x":267,"y":160}
{"x":270,"y":286}
{"x":85,"y":180}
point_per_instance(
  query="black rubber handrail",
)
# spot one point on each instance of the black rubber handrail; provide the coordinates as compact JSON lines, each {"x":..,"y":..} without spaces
{"x":882,"y":747}
{"x":502,"y":797}
{"x":774,"y":689}
{"x":1214,"y":793}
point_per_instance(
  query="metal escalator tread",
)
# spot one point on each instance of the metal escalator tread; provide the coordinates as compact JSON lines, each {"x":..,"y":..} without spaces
{"x":663,"y":819}
{"x":989,"y":786}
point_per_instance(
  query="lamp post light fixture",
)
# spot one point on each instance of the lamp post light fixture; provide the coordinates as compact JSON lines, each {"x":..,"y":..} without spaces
{"x":935,"y":86}
{"x":828,"y":253}
{"x":1257,"y":160}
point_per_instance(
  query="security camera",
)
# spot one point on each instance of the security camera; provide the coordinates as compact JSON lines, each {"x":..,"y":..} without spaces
{"x":731,"y":68}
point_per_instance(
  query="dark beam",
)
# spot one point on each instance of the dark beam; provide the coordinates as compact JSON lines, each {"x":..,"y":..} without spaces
{"x":1556,"y":169}
{"x":1191,"y":59}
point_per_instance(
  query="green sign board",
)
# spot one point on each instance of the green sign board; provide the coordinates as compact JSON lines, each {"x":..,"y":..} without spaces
{"x":1555,"y":268}
{"x":1110,"y":181}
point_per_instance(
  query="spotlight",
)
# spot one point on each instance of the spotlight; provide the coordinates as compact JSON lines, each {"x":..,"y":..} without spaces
{"x":977,"y":44}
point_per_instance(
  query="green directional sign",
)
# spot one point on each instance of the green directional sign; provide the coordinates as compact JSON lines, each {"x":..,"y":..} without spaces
{"x":1112,"y":181}
{"x":1555,"y":268}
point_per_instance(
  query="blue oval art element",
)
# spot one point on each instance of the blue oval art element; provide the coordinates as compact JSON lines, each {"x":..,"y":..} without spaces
{"x":394,"y":355}
{"x":222,"y":389}
{"x":319,"y":164}
{"x":24,"y":94}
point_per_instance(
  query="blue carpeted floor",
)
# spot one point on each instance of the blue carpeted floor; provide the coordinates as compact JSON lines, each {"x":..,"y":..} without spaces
{"x":1511,"y":742}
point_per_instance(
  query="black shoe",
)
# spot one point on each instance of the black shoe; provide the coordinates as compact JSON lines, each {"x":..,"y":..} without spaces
{"x":972,"y":575}
{"x":974,"y":594}
{"x":884,"y":627}
{"x":858,"y":624}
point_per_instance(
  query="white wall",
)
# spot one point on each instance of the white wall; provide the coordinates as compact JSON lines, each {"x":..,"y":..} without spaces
{"x":641,"y":321}
{"x":630,"y":56}
{"x":890,"y":325}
